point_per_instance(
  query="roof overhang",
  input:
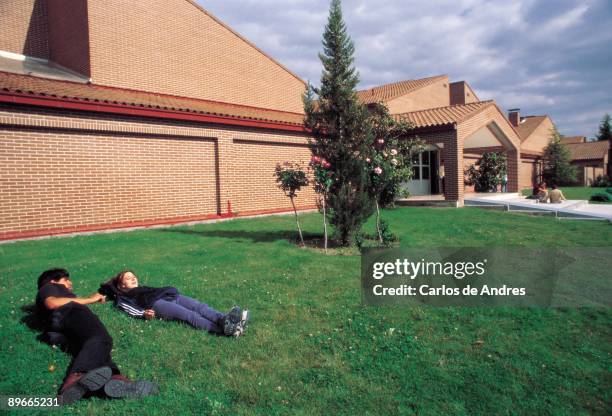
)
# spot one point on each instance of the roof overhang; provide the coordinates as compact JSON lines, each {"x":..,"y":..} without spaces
{"x":141,"y":111}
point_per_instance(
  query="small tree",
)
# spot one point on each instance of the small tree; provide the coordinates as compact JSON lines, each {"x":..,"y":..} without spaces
{"x":488,"y":175}
{"x":557,"y":169}
{"x":322,"y":182}
{"x":605,"y":129}
{"x":340,"y":130}
{"x":290,"y":178}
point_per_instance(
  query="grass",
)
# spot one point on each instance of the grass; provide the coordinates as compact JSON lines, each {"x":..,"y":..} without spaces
{"x":577,"y":192}
{"x":311,"y":348}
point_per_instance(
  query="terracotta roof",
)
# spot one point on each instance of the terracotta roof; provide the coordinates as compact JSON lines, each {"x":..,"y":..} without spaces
{"x":390,"y":91}
{"x":443,"y":116}
{"x":573,"y":139}
{"x":14,"y":84}
{"x":528,"y":125}
{"x":589,"y":150}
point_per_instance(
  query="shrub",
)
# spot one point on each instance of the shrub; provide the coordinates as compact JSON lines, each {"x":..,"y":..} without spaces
{"x":602,"y":197}
{"x":491,"y":168}
{"x":601,"y":181}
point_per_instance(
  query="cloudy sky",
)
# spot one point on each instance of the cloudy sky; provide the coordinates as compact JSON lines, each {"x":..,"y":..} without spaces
{"x":543,"y":56}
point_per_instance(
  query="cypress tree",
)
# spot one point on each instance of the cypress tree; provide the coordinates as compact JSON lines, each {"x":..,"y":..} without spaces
{"x":557,"y":167}
{"x":605,"y":129}
{"x":341,"y":131}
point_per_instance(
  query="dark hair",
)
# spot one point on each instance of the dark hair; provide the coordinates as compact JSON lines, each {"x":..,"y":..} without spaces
{"x":116,"y":281}
{"x":52,"y":275}
{"x":554,"y":186}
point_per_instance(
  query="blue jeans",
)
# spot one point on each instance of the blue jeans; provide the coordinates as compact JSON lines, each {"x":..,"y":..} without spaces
{"x":189,"y":310}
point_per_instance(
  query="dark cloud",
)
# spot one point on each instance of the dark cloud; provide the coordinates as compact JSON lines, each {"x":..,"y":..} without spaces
{"x":545,"y":57}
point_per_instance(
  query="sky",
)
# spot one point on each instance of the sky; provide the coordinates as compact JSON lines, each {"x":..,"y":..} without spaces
{"x":543,"y":56}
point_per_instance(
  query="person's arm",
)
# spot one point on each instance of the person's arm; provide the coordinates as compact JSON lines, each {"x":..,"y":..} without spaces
{"x":53,"y":302}
{"x":131,"y":310}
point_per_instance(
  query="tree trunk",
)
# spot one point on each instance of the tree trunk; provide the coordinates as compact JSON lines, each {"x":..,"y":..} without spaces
{"x":324,"y":224}
{"x":297,"y":221}
{"x":378,"y":223}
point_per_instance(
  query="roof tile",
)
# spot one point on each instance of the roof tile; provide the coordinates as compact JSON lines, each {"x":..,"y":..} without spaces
{"x":444,"y":116}
{"x":41,"y":87}
{"x":589,"y":150}
{"x":390,"y":91}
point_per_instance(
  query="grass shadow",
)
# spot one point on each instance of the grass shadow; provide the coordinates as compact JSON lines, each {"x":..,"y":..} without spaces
{"x":245,"y":236}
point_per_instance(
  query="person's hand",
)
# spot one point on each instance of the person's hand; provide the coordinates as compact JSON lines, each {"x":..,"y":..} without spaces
{"x":98,"y":297}
{"x":149,"y":314}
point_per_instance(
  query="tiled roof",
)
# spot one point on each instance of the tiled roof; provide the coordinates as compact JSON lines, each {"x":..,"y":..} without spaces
{"x":443,"y":116}
{"x":589,"y":150}
{"x":528,"y":125}
{"x":390,"y":91}
{"x":87,"y":93}
{"x":573,"y":139}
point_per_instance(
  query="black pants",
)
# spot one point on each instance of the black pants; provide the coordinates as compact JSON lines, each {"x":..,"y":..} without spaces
{"x":89,"y":337}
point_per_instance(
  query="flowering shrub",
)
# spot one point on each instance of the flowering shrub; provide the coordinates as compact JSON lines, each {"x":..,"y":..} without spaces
{"x":290,"y":178}
{"x":322,"y":182}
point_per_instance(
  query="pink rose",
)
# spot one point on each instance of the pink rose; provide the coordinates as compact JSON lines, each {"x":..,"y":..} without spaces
{"x":377,"y":170}
{"x":394,"y":162}
{"x":368,"y":159}
{"x":380,"y":141}
{"x":325,"y":164}
{"x":393,"y":152}
{"x":315,"y":160}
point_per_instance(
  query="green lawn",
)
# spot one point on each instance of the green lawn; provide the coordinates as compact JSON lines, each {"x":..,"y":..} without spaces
{"x":575,"y":192}
{"x":311,"y":348}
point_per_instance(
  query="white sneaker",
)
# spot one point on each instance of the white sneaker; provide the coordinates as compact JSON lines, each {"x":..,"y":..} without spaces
{"x":241,"y":327}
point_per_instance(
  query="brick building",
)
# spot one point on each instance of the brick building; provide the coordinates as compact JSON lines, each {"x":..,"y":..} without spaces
{"x":121,"y":113}
{"x":457,"y":129}
{"x":591,"y":159}
{"x":117,"y":114}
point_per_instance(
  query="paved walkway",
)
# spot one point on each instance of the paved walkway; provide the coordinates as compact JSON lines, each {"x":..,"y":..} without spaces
{"x":575,"y":209}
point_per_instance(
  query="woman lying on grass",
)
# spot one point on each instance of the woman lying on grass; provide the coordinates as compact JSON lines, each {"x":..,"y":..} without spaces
{"x":167,"y":303}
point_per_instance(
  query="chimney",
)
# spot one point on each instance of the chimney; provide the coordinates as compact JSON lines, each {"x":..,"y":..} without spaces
{"x":514,"y":116}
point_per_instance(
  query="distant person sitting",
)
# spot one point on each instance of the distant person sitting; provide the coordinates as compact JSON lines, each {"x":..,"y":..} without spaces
{"x":542,"y":193}
{"x":556,"y":196}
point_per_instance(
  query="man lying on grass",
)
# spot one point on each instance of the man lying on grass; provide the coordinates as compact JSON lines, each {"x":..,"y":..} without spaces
{"x":167,"y":303}
{"x":92,"y":368}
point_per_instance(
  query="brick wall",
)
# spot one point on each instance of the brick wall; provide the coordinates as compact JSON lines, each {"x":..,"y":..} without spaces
{"x":23,"y":27}
{"x":540,"y":137}
{"x":461,"y":93}
{"x":66,"y":172}
{"x":451,"y":157}
{"x":430,"y":96}
{"x":494,"y":118}
{"x":69,"y":34}
{"x":173,"y":47}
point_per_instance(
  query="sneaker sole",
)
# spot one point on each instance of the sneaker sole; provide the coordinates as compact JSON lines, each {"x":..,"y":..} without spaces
{"x":93,"y":380}
{"x":118,"y":389}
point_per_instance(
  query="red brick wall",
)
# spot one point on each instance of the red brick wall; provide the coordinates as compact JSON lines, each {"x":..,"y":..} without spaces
{"x":23,"y":27}
{"x":429,"y":96}
{"x":74,"y":171}
{"x":69,"y":34}
{"x":173,"y":47}
{"x":512,"y":146}
{"x":253,"y":176}
{"x":452,"y":159}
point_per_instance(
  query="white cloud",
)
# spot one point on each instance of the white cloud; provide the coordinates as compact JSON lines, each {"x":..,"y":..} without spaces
{"x":545,"y":57}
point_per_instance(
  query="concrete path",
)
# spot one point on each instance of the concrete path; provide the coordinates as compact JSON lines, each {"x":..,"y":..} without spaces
{"x":574,"y":209}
